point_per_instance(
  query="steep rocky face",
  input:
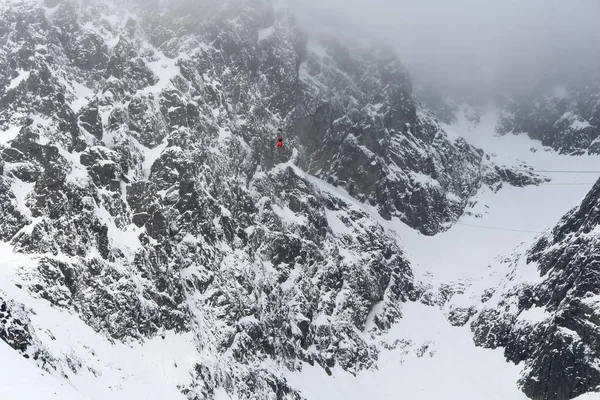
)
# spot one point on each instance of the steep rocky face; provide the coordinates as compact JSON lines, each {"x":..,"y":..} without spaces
{"x":546,"y":314}
{"x":361,"y":128}
{"x":143,"y":189}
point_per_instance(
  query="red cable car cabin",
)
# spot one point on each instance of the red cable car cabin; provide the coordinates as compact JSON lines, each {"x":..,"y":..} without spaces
{"x":280,"y":138}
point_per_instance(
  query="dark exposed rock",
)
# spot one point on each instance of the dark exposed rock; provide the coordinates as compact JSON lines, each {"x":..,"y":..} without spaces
{"x":13,"y":330}
{"x":560,"y":349}
{"x":89,"y":119}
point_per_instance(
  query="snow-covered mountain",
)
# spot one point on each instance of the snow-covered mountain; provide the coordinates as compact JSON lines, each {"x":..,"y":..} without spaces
{"x":156,"y":244}
{"x":562,"y":110}
{"x":564,"y":116}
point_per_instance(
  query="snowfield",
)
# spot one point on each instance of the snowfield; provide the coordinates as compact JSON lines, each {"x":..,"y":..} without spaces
{"x":447,"y":366}
{"x":21,"y":379}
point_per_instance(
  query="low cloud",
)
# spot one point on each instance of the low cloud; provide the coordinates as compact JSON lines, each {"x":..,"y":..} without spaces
{"x":472,"y":43}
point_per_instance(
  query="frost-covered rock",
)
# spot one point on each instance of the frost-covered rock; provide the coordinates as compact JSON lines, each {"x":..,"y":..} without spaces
{"x":547,"y":312}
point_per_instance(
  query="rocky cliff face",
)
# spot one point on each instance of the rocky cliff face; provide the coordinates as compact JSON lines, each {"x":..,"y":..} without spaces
{"x":360,"y":127}
{"x":139,"y":181}
{"x":546,"y":312}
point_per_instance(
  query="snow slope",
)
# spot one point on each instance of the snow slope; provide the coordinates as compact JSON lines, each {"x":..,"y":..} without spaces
{"x":467,"y":248}
{"x":150,"y":370}
{"x":21,"y":379}
{"x":443,"y":364}
{"x":426,"y":348}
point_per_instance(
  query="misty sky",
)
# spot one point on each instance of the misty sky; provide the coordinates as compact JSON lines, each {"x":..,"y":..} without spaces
{"x":472,"y":40}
